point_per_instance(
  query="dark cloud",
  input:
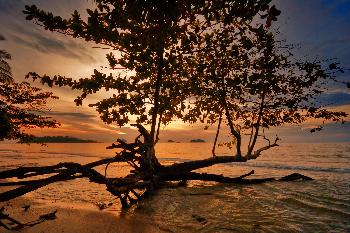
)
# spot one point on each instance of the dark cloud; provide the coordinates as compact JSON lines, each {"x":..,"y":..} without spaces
{"x":46,"y":45}
{"x":49,"y":43}
{"x":82,"y":116}
{"x":335,"y":99}
{"x":62,"y":7}
{"x":331,"y":132}
{"x":334,"y":42}
{"x":22,"y":32}
{"x":40,"y":43}
{"x":8,"y":6}
{"x":319,"y":26}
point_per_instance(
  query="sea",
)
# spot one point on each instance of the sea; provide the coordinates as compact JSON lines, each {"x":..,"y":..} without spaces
{"x":321,"y":205}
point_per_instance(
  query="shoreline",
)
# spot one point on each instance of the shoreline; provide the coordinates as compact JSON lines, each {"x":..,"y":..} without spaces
{"x":74,"y":218}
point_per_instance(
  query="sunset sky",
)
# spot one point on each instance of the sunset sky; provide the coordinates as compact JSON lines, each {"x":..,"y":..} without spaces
{"x":320,"y":27}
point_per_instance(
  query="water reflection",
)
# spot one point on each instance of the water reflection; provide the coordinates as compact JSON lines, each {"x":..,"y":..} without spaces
{"x":322,"y":205}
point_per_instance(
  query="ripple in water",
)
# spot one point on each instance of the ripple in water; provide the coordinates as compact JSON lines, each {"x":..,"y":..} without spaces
{"x":322,"y":205}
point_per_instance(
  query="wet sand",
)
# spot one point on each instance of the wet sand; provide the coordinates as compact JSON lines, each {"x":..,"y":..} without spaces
{"x":73,"y":218}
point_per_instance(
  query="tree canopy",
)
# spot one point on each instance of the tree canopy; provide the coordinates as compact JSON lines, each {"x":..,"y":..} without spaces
{"x":180,"y":50}
{"x":153,"y":39}
{"x":253,"y":79}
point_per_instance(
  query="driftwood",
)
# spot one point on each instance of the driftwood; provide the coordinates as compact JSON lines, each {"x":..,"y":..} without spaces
{"x":143,"y":178}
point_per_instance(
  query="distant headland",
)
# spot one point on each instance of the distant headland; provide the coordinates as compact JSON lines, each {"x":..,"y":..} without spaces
{"x":197,"y":140}
{"x":60,"y":139}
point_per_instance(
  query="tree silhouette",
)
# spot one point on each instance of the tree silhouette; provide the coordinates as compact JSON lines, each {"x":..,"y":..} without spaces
{"x":154,"y":39}
{"x":176,"y":51}
{"x":254,"y":81}
{"x":21,"y":105}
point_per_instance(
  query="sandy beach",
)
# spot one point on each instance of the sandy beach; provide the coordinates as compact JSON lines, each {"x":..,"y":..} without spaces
{"x":73,"y":218}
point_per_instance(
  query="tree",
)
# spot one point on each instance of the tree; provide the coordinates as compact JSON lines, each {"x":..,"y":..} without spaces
{"x":21,"y":105}
{"x":253,"y":80}
{"x":160,"y":42}
{"x":154,"y":39}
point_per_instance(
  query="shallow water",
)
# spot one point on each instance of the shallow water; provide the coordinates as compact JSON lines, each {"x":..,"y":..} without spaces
{"x":322,"y":205}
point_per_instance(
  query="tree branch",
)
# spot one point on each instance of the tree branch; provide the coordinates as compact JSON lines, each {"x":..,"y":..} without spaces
{"x":71,"y":169}
{"x":25,"y":172}
{"x":257,"y":153}
{"x":217,"y":134}
{"x":197,"y":164}
{"x":257,"y":124}
{"x":158,"y":128}
{"x":204,"y":177}
{"x":231,"y":180}
{"x":235,"y":133}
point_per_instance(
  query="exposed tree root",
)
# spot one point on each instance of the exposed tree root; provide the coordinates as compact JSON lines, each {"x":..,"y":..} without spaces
{"x":142,"y":179}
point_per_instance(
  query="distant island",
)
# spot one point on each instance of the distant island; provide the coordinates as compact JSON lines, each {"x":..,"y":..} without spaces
{"x":171,"y":141}
{"x":197,"y":140}
{"x":59,"y":139}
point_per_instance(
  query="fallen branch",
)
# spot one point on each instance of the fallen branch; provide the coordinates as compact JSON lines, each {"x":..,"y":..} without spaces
{"x":231,"y":180}
{"x":71,"y":169}
{"x":136,"y":185}
{"x":204,"y":177}
{"x":29,"y":182}
{"x":197,"y":164}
